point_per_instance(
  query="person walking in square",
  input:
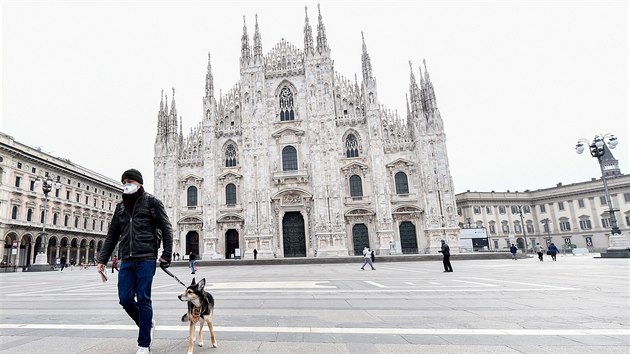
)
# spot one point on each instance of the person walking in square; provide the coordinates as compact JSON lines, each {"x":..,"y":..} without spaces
{"x":367,"y":258}
{"x":539,"y":251}
{"x":446,"y":253}
{"x":513,"y":251}
{"x":192,"y":258}
{"x":63,"y":262}
{"x":255,"y":254}
{"x":553,"y":251}
{"x":135,"y":227}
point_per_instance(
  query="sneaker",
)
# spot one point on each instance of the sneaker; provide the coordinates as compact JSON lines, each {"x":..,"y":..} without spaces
{"x":143,"y":350}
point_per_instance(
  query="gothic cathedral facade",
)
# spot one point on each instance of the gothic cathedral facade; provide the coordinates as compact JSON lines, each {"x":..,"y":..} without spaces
{"x":297,"y":160}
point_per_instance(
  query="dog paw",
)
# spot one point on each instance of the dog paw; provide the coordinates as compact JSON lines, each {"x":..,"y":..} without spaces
{"x":214,"y":345}
{"x":200,"y":344}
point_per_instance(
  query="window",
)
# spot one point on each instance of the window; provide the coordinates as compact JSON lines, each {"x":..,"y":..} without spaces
{"x":501,"y":209}
{"x":85,"y":221}
{"x":286,"y":105}
{"x":191,"y":198}
{"x":14,"y":212}
{"x":581,"y":203}
{"x":517,"y":228}
{"x":602,"y":200}
{"x":19,"y":165}
{"x":585,"y":224}
{"x":55,"y":218}
{"x":626,"y":197}
{"x":401,"y":183}
{"x":628,"y":220}
{"x":230,"y":194}
{"x":505,"y":227}
{"x":352,"y":146}
{"x":230,"y":156}
{"x":66,"y":219}
{"x":87,"y":200}
{"x":93,"y":224}
{"x":477,"y":210}
{"x":33,"y":170}
{"x":32,"y":186}
{"x":565,"y":225}
{"x":543,"y":209}
{"x":526,"y":209}
{"x":76,"y":221}
{"x":57,"y":192}
{"x":29,"y":214}
{"x":493,"y":229}
{"x":488,"y":209}
{"x":356,"y":189}
{"x":546,"y":227}
{"x":68,"y":195}
{"x":42,"y":215}
{"x":459,"y":211}
{"x":606,"y":222}
{"x":530,"y":228}
{"x":101,"y":225}
{"x":78,"y":197}
{"x":561,"y":205}
{"x":289,"y":159}
{"x":17,"y":181}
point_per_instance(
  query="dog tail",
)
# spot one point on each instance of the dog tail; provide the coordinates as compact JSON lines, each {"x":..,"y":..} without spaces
{"x":185,"y":318}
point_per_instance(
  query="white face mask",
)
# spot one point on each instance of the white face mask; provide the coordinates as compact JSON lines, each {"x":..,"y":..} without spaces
{"x":130,"y":188}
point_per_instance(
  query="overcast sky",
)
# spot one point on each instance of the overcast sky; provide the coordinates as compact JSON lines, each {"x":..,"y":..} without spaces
{"x":517,"y":83}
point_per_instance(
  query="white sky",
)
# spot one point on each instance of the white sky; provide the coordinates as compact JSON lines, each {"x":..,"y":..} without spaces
{"x":517,"y":83}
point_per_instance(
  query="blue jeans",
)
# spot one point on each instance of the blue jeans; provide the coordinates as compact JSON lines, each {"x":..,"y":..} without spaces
{"x":191,"y":264}
{"x":134,"y":292}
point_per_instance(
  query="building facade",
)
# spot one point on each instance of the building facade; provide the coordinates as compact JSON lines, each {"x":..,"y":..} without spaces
{"x":73,"y":219}
{"x":297,"y":160}
{"x":575,"y":214}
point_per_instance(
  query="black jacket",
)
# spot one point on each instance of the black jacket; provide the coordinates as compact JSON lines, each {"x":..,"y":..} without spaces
{"x":138,"y":232}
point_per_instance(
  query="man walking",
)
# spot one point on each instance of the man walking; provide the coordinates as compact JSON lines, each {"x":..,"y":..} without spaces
{"x":135,"y":227}
{"x":513,"y":251}
{"x":192,"y":257}
{"x":446,"y":252}
{"x":367,"y":256}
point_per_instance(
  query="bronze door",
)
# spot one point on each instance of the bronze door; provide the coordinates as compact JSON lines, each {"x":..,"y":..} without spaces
{"x":408,"y":240}
{"x":293,"y":236}
{"x":360,"y":238}
{"x":231,"y":243}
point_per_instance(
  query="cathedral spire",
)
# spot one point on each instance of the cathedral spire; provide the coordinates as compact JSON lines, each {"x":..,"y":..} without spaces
{"x":162,"y":102}
{"x":365,"y":61}
{"x":308,"y":35}
{"x":257,"y":43}
{"x":209,"y":80}
{"x":322,"y":43}
{"x":245,"y":50}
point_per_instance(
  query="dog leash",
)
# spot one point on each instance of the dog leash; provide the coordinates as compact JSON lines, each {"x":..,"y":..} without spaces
{"x":172,"y":275}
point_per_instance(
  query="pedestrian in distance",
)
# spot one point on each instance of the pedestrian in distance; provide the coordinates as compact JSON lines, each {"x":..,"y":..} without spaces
{"x":255,"y":254}
{"x":367,"y":258}
{"x":136,"y":226}
{"x":174,"y":256}
{"x":446,"y":253}
{"x":540,"y":250}
{"x":553,"y":251}
{"x":372,"y":256}
{"x":63,"y":262}
{"x":177,"y":254}
{"x":192,"y":258}
{"x":513,"y":251}
{"x":115,"y":264}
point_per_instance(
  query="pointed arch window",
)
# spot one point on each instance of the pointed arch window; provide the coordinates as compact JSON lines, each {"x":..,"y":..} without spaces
{"x":191,"y":199}
{"x":356,"y":187}
{"x":402,"y":186}
{"x":352,"y":146}
{"x":14,"y":212}
{"x":230,"y":156}
{"x":286,"y":105}
{"x":230,"y":194}
{"x":66,"y":219}
{"x":289,"y":159}
{"x":29,"y":214}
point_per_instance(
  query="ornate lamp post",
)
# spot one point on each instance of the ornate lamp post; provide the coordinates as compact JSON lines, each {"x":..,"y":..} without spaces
{"x":41,"y":258}
{"x":520,"y":211}
{"x":618,"y":244}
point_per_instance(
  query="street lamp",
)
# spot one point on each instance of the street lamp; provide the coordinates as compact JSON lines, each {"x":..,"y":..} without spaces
{"x":47,"y":185}
{"x":520,"y":211}
{"x":598,"y":149}
{"x":546,"y":222}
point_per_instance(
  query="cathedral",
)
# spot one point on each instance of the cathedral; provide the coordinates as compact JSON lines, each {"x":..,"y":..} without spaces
{"x":298,"y":160}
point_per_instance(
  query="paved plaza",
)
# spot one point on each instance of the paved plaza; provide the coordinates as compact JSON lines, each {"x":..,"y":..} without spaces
{"x":579,"y":304}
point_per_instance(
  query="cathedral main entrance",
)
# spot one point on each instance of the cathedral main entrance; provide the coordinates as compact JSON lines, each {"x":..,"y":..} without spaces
{"x":293,"y":236}
{"x":408,"y":239}
{"x":231,"y":243}
{"x":192,"y":243}
{"x":360,"y":238}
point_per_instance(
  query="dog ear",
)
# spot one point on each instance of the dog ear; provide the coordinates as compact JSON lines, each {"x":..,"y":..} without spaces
{"x":202,"y":284}
{"x":193,"y":282}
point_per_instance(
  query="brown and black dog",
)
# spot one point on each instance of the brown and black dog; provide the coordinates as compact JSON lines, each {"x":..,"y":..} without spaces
{"x":200,"y":309}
